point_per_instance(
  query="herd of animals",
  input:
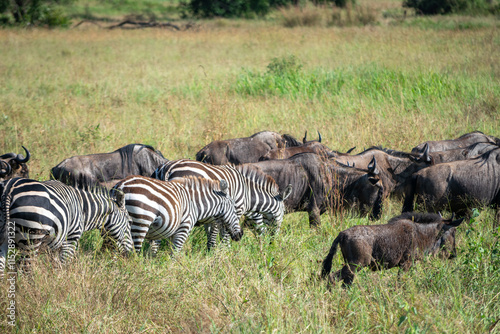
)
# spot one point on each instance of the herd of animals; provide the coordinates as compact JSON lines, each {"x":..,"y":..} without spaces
{"x":135,"y":194}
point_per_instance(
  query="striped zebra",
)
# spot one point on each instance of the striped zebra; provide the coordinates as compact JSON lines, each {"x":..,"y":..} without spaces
{"x":256,"y":195}
{"x":160,"y":209}
{"x":54,"y":215}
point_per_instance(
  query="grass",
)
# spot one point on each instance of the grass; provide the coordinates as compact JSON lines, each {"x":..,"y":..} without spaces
{"x":83,"y":91}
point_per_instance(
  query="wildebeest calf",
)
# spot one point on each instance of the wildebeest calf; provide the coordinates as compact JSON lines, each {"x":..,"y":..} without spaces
{"x":398,"y":243}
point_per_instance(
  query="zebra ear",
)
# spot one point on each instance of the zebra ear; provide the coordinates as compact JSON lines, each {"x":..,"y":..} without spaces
{"x":119,"y":197}
{"x":223,"y":186}
{"x":287,"y":192}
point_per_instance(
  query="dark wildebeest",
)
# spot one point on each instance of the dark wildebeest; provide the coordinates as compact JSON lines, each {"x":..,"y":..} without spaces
{"x":107,"y":168}
{"x":244,"y":150}
{"x":456,"y":154}
{"x":17,"y":165}
{"x":458,"y":185}
{"x":320,"y":184}
{"x":308,"y":147}
{"x":395,"y":167}
{"x":398,"y":243}
{"x":460,"y":142}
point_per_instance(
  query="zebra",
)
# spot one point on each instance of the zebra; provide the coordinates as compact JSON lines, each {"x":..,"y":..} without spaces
{"x":256,"y":195}
{"x":160,"y":209}
{"x":54,"y":215}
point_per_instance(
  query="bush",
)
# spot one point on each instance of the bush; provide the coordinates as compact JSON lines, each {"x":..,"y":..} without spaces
{"x":433,"y":7}
{"x":307,"y":16}
{"x":244,"y":8}
{"x":34,"y":12}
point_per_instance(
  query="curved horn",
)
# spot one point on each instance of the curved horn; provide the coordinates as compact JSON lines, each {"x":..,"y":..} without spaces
{"x":372,"y":166}
{"x":20,"y":159}
{"x":305,"y":138}
{"x":319,"y":137}
{"x":425,"y":156}
{"x":7,"y":169}
{"x":350,"y":150}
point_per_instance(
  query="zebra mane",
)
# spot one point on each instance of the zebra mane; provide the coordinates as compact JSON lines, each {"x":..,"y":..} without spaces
{"x":196,"y":183}
{"x":259,"y":177}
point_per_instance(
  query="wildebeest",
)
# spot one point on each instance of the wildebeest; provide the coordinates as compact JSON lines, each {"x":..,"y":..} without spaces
{"x":308,"y":147}
{"x":17,"y":165}
{"x":320,"y":184}
{"x":398,"y":243}
{"x":460,"y":142}
{"x":456,"y":154}
{"x":458,"y":185}
{"x":395,"y":167}
{"x":107,"y":168}
{"x":244,"y":150}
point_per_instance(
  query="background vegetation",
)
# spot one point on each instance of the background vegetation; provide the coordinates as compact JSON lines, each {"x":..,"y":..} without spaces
{"x":395,"y":83}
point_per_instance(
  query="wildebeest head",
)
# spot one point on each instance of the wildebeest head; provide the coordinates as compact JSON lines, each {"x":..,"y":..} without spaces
{"x":396,"y":168}
{"x":17,"y":165}
{"x":460,"y":142}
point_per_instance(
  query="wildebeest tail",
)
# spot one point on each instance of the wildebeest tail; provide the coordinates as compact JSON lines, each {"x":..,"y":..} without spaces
{"x":327,"y":262}
{"x":410,"y":195}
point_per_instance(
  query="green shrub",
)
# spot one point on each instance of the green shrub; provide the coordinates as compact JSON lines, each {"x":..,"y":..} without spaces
{"x":433,"y":7}
{"x":34,"y":12}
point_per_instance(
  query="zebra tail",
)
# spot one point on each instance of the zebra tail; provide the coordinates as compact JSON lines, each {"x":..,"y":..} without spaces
{"x":6,"y":199}
{"x":327,"y":262}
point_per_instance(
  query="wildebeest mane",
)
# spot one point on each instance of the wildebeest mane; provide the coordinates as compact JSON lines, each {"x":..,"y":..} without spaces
{"x":417,"y":217}
{"x":127,"y":157}
{"x":399,"y":154}
{"x":290,"y":140}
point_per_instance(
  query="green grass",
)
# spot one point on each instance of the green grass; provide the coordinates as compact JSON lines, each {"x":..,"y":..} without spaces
{"x":87,"y":90}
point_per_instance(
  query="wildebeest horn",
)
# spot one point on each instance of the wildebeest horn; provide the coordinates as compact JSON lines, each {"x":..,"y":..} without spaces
{"x":350,"y":150}
{"x":425,"y":156}
{"x":20,"y":159}
{"x":4,"y":171}
{"x":372,"y":166}
{"x":319,"y":137}
{"x":305,"y":138}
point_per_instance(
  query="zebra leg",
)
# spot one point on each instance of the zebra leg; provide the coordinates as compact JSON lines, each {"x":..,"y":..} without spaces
{"x":225,"y":237}
{"x":3,"y":255}
{"x":211,"y":230}
{"x":180,"y":236}
{"x":68,"y":250}
{"x":139,"y":232}
{"x":154,"y":246}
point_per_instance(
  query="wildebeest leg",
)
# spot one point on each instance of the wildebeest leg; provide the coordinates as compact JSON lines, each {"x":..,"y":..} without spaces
{"x":314,"y":216}
{"x":347,"y":273}
{"x":497,"y":218}
{"x":334,"y":277}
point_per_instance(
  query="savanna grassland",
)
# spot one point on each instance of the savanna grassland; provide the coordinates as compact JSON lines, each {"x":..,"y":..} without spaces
{"x":395,"y":83}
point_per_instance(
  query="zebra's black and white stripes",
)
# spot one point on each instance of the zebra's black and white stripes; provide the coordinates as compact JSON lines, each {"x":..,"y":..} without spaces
{"x":55,"y":215}
{"x":162,"y":209}
{"x":255,"y":194}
